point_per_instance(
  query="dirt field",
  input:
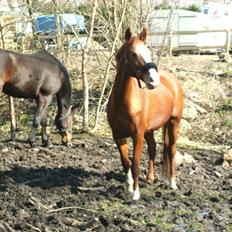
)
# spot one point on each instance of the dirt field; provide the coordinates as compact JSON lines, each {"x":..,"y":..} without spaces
{"x":81,"y":188}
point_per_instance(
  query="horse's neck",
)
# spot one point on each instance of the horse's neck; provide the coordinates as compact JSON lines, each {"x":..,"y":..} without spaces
{"x":126,"y":90}
{"x":64,"y":99}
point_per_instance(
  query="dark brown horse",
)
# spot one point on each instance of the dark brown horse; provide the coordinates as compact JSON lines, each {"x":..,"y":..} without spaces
{"x":143,"y":100}
{"x":38,"y":76}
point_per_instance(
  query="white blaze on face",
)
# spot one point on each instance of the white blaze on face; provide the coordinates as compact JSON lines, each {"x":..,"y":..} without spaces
{"x":146,"y":55}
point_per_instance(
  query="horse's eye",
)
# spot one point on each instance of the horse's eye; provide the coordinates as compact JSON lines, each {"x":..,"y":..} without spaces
{"x":134,"y":55}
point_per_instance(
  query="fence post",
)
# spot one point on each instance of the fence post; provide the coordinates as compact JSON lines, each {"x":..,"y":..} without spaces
{"x":227,"y":41}
{"x":11,"y":99}
{"x":13,"y":118}
{"x":170,"y":43}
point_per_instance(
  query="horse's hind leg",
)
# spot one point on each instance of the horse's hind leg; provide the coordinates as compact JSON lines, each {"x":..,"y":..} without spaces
{"x":170,"y":138}
{"x":126,"y":163}
{"x":149,"y":137}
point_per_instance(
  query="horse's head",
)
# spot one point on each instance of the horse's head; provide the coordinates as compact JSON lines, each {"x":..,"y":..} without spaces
{"x":64,"y":125}
{"x":137,"y":58}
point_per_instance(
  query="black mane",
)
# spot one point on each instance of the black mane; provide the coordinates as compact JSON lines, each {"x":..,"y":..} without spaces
{"x":44,"y":55}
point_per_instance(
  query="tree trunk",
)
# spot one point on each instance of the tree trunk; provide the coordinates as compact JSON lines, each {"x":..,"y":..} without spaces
{"x":106,"y":76}
{"x":85,"y":123}
{"x":11,"y":100}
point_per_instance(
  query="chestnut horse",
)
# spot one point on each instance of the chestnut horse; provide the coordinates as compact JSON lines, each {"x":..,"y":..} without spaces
{"x":38,"y":76}
{"x":142,"y":101}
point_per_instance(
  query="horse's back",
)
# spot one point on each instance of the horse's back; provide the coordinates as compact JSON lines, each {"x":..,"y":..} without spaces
{"x":174,"y":86}
{"x":26,"y":76}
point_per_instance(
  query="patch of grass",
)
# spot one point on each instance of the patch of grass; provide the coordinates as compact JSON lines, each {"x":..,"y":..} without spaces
{"x":226,"y":105}
{"x":111,"y":208}
{"x":227,"y":122}
{"x":182,"y":212}
{"x":147,"y":222}
{"x":163,"y":225}
{"x":196,"y":227}
{"x":228,"y":227}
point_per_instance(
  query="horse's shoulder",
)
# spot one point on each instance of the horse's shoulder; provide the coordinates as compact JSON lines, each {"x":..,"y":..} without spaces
{"x":170,"y":81}
{"x":167,"y":77}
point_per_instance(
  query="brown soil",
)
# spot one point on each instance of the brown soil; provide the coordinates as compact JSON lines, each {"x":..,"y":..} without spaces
{"x":82,"y":188}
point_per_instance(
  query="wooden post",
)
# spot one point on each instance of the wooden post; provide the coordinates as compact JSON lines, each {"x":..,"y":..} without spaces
{"x":227,"y":48}
{"x":170,"y":43}
{"x":11,"y":99}
{"x":58,"y":31}
{"x":85,"y":83}
{"x":13,"y":118}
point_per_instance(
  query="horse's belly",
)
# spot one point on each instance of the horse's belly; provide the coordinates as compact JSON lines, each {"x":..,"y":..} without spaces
{"x":14,"y":91}
{"x":158,"y":121}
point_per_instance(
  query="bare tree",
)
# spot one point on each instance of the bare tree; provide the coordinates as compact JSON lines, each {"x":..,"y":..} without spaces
{"x":111,"y":56}
{"x":85,"y":123}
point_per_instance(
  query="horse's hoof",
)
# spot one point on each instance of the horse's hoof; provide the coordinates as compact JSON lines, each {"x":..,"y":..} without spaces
{"x":31,"y":143}
{"x":136,"y":195}
{"x":46,"y":143}
{"x":150,"y":180}
{"x":173,"y":184}
{"x":69,"y":144}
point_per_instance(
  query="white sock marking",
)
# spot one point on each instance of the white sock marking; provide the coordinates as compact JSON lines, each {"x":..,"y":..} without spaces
{"x":130,"y":181}
{"x":136,"y":194}
{"x":173,"y":184}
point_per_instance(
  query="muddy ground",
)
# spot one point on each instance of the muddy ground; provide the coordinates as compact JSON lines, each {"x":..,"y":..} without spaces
{"x":82,"y":188}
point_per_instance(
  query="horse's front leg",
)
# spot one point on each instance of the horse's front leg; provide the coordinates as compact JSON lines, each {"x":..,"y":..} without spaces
{"x":45,"y":140}
{"x":137,"y":151}
{"x":152,"y":152}
{"x":35,"y":125}
{"x":126,"y":163}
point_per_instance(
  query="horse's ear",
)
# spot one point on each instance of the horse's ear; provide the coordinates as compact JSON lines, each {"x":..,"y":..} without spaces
{"x":143,"y":34}
{"x":128,"y":35}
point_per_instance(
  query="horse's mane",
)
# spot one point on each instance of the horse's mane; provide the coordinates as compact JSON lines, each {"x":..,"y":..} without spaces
{"x":44,"y":55}
{"x":119,"y":53}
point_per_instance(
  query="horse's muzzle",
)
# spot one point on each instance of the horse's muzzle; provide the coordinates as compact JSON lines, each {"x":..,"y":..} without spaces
{"x":150,"y":86}
{"x":66,"y":137}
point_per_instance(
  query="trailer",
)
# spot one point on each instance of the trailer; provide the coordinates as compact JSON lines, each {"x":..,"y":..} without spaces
{"x":69,"y":23}
{"x":188,"y":30}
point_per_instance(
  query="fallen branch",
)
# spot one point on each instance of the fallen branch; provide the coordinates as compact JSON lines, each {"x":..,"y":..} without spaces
{"x":32,"y":227}
{"x":7,"y":227}
{"x":100,"y":188}
{"x":71,"y":207}
{"x":40,"y":205}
